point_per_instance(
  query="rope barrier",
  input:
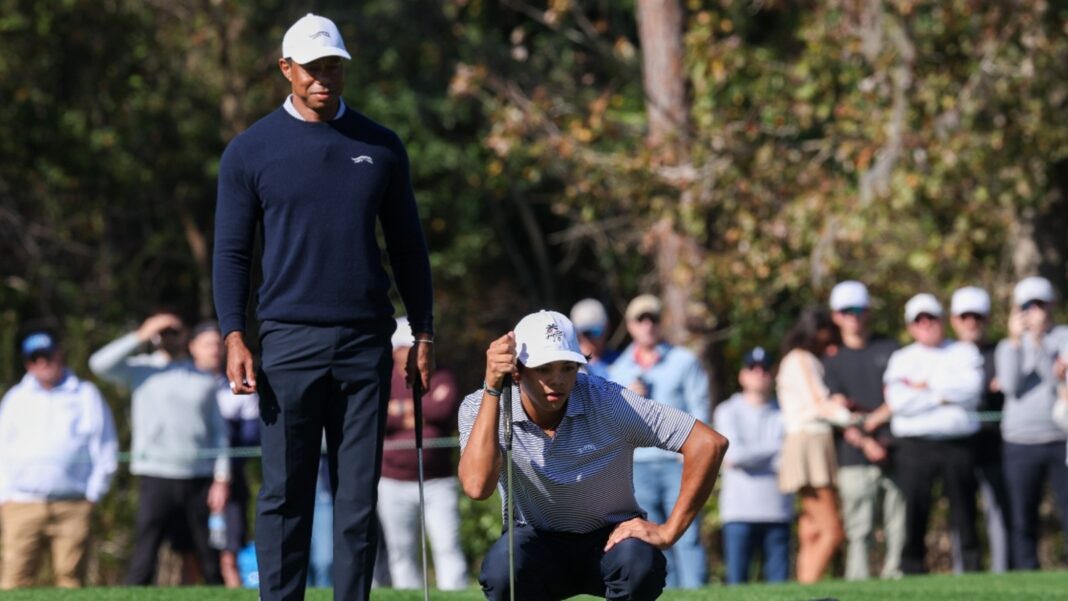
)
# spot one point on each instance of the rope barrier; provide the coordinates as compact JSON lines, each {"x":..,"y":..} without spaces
{"x":450,"y":442}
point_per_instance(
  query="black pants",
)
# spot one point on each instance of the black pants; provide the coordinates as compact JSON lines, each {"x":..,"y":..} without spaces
{"x":1026,"y":467}
{"x":166,"y":505}
{"x":314,"y":378}
{"x":558,"y":565}
{"x":919,"y":462}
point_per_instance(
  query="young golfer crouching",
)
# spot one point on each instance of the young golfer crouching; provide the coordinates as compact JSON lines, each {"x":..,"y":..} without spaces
{"x":578,"y":529}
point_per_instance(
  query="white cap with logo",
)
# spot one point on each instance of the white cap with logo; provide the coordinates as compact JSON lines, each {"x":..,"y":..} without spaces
{"x":312,"y":37}
{"x":1033,"y":288}
{"x":544,"y":337}
{"x":849,"y":294}
{"x":970,"y":299}
{"x":920,"y":304}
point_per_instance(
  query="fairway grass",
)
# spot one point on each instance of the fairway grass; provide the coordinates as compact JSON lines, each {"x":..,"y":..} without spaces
{"x":1021,"y":586}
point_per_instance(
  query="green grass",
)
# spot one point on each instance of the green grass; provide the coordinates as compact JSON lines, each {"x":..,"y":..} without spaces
{"x":983,"y":587}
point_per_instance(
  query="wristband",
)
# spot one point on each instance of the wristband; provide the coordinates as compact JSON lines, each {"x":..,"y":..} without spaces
{"x":490,"y":390}
{"x":424,"y":340}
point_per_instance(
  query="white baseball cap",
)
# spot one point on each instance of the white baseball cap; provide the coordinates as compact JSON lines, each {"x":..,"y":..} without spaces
{"x":1032,"y":289}
{"x":402,"y":336}
{"x":312,"y":37}
{"x":922,"y":303}
{"x":970,"y":299}
{"x":589,"y":314}
{"x":546,"y":336}
{"x":849,"y":293}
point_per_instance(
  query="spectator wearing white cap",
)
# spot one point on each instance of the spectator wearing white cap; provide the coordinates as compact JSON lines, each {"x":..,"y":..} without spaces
{"x":866,"y":486}
{"x":654,"y":368}
{"x":58,"y":452}
{"x":969,"y":314}
{"x":591,"y":326}
{"x":579,"y":528}
{"x":756,"y":516}
{"x":933,"y":388}
{"x":1028,"y":369}
{"x":398,"y":490}
{"x":319,"y":179}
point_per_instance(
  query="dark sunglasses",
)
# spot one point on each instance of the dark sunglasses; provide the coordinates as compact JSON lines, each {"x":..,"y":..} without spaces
{"x":651,"y":317}
{"x":1033,"y":303}
{"x":591,"y":333}
{"x":972,"y":316}
{"x":922,"y":317}
{"x":854,"y":311}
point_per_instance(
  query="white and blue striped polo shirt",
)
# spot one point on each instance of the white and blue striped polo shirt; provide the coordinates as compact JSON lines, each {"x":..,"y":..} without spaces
{"x":581,"y":480}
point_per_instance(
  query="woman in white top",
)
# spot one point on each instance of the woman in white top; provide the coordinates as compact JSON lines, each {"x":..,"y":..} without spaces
{"x":809,"y":467}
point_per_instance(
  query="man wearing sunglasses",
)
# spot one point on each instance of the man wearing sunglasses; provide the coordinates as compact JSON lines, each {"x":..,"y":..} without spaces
{"x":969,"y":311}
{"x":933,"y":388}
{"x":655,"y":369}
{"x":1028,"y":368}
{"x":865,"y":478}
{"x":591,"y":325}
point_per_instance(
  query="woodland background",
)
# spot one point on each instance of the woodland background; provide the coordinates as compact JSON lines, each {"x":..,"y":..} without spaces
{"x":735,"y":157}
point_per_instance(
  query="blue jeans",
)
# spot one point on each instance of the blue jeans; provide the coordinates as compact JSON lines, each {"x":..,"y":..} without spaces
{"x":741,"y":541}
{"x":559,"y":565}
{"x":656,"y":487}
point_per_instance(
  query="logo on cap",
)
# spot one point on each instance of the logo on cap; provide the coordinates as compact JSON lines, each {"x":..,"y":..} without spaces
{"x":553,"y":333}
{"x":320,"y":34}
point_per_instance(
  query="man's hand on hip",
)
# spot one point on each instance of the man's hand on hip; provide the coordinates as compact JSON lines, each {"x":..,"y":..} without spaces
{"x":240,"y":370}
{"x":644,"y":530}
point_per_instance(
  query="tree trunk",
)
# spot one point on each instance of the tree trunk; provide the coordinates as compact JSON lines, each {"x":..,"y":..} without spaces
{"x":676,"y":255}
{"x":660,"y":27}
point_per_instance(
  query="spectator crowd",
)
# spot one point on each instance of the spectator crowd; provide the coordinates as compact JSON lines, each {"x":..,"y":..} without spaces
{"x":842,"y":441}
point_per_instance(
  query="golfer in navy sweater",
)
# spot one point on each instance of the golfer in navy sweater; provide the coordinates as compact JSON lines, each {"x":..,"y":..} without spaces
{"x":317,"y":176}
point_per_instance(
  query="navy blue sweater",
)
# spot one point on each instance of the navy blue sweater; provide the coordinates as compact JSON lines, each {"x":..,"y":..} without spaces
{"x":319,"y":188}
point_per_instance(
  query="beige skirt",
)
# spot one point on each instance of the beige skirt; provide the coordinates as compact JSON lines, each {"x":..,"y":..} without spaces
{"x":807,"y":460}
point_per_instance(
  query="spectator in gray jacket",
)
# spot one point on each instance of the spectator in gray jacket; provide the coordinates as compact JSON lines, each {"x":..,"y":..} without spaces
{"x":1027,"y":364}
{"x":175,"y":416}
{"x":756,"y":516}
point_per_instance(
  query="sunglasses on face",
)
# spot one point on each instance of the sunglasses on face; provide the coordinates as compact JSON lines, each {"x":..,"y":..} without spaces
{"x":1033,"y":303}
{"x":854,"y":311}
{"x":650,"y":317}
{"x":972,"y":317}
{"x":925,"y":317}
{"x":591,"y":333}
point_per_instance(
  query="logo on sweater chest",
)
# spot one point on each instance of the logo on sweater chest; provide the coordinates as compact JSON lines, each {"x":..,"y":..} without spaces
{"x":363,"y":158}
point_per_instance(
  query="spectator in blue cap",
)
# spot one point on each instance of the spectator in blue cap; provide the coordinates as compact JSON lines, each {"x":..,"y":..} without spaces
{"x":756,"y":516}
{"x":58,"y":452}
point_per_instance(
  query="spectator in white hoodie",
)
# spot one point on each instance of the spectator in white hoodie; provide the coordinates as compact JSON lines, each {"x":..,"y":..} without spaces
{"x":933,"y":387}
{"x":58,"y":451}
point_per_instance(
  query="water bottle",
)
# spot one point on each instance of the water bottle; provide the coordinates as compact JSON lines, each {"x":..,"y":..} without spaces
{"x":217,"y":531}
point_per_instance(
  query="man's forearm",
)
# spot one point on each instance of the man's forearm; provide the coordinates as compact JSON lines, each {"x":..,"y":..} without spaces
{"x":702,"y":455}
{"x":480,"y":462}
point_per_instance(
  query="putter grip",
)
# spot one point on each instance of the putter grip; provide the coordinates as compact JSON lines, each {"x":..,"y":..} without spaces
{"x":417,"y":403}
{"x":506,"y":410}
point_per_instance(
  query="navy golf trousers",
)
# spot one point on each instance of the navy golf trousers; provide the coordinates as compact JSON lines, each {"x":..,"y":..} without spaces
{"x":315,"y":378}
{"x":558,"y":565}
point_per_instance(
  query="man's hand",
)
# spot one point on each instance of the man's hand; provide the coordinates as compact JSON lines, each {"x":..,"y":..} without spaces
{"x":500,"y":360}
{"x":218,"y":495}
{"x":874,"y":451}
{"x":1060,"y":368}
{"x":239,"y":368}
{"x":654,"y":534}
{"x":420,"y":365}
{"x":154,"y":326}
{"x":854,"y":437}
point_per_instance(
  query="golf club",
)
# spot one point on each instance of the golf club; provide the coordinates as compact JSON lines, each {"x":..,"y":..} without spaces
{"x":417,"y":400}
{"x":506,"y":403}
